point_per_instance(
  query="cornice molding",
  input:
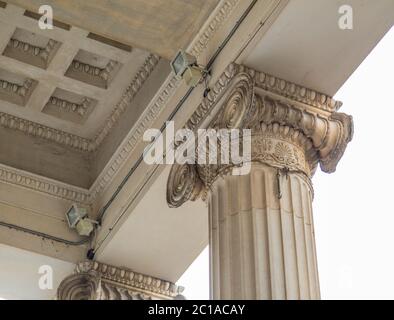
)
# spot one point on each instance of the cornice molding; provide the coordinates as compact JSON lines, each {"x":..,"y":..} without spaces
{"x":93,"y":280}
{"x":40,"y":131}
{"x":271,"y":84}
{"x":221,"y":13}
{"x":292,"y":91}
{"x":44,"y":185}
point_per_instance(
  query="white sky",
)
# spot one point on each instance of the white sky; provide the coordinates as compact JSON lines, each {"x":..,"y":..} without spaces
{"x":354,"y":207}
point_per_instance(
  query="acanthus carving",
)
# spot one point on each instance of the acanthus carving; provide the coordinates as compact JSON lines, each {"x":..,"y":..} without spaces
{"x":285,"y":133}
{"x":327,"y":135}
{"x":93,"y":280}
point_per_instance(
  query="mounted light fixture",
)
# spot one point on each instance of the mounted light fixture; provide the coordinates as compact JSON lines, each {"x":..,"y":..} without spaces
{"x":185,"y":67}
{"x":77,"y":218}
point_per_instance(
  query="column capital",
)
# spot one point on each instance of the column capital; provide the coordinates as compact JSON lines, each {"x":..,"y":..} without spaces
{"x":292,"y":128}
{"x":94,"y":280}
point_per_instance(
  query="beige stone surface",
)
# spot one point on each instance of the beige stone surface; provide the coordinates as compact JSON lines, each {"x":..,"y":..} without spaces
{"x":135,"y":22}
{"x":262,"y":244}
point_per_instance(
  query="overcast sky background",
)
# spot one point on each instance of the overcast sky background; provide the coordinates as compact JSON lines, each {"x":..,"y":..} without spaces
{"x":353,"y":208}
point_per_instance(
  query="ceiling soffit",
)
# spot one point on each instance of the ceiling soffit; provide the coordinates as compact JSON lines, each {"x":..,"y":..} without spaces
{"x":78,"y":143}
{"x":159,"y":26}
{"x":65,"y":80}
{"x":65,"y":87}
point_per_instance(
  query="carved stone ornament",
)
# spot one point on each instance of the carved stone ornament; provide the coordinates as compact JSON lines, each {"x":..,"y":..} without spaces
{"x":292,"y":128}
{"x":97,"y":281}
{"x":187,"y":184}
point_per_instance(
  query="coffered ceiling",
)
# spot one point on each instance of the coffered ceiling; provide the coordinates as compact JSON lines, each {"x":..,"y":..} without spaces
{"x":62,"y":90}
{"x":61,"y":78}
{"x":159,"y":26}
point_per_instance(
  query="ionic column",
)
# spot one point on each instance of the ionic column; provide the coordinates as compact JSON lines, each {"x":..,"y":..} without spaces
{"x":93,"y":280}
{"x":262,"y":243}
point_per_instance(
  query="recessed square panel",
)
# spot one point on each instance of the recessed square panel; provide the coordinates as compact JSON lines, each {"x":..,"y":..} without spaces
{"x":69,"y":106}
{"x":93,"y":69}
{"x":31,"y":48}
{"x":15,"y":88}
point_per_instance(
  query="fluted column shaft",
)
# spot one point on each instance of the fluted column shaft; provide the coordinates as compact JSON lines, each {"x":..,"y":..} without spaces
{"x":262,"y":243}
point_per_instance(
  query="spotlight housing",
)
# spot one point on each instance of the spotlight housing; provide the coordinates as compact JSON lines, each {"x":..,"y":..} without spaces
{"x":185,"y":67}
{"x":77,"y":218}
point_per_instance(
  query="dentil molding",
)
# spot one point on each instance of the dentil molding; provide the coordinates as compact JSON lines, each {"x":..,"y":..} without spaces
{"x":220,"y":15}
{"x":41,"y":184}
